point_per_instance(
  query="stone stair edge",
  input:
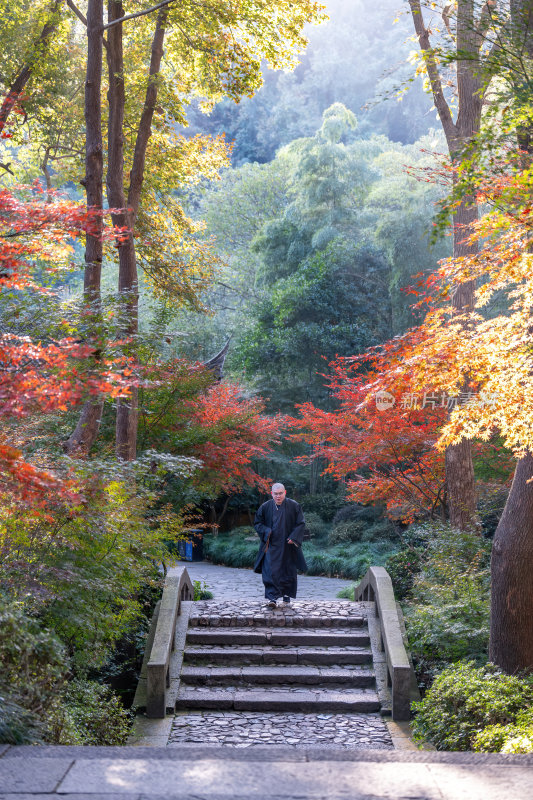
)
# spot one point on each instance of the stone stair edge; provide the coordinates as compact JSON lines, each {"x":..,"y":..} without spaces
{"x":292,"y":656}
{"x":261,"y":753}
{"x":275,"y":636}
{"x":321,"y":701}
{"x":293,"y":675}
{"x":294,"y":621}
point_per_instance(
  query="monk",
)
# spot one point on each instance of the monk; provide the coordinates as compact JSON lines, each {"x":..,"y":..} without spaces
{"x":280,"y":525}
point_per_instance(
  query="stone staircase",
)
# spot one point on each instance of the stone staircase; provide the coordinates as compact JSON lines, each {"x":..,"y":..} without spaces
{"x":308,"y":657}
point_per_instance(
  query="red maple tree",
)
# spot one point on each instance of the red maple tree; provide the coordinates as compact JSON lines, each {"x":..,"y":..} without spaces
{"x":454,"y":376}
{"x":38,"y":377}
{"x":185,"y":411}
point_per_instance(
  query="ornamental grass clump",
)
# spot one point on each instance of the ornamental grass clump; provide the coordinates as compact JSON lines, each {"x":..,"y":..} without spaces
{"x":238,"y":548}
{"x":467,"y":706}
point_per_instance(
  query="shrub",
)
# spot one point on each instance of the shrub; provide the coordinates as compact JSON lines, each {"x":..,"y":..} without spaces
{"x":452,"y":623}
{"x":33,"y":662}
{"x":238,"y":548}
{"x":403,"y":567}
{"x":449,"y":551}
{"x":349,"y":531}
{"x":514,"y":738}
{"x":244,"y":530}
{"x":359,"y":564}
{"x":17,"y":724}
{"x":325,"y":505}
{"x":348,"y":593}
{"x":380,"y":530}
{"x":90,"y":714}
{"x":358,"y":523}
{"x":447,"y":618}
{"x":464,"y":700}
{"x":37,"y":704}
{"x":350,"y":560}
{"x":490,"y":507}
{"x":316,"y":525}
{"x":355,"y":511}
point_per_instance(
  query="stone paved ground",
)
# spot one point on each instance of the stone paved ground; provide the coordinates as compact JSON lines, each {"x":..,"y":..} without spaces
{"x":243,"y":584}
{"x":262,"y":773}
{"x":302,"y":611}
{"x":245,"y":729}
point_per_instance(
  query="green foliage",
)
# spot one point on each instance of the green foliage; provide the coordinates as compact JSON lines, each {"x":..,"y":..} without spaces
{"x":110,"y":553}
{"x":38,"y":701}
{"x":516,"y":737}
{"x":348,"y":593}
{"x":355,"y":511}
{"x":327,"y":298}
{"x":490,"y":507}
{"x":201,"y":591}
{"x":447,"y":618}
{"x":316,"y":526}
{"x":33,"y":661}
{"x":403,"y":567}
{"x":358,"y":523}
{"x":348,"y":531}
{"x":348,"y":60}
{"x":17,"y":724}
{"x":325,"y":504}
{"x":239,"y":548}
{"x":33,"y":671}
{"x":317,"y":255}
{"x":90,"y":715}
{"x":464,"y":700}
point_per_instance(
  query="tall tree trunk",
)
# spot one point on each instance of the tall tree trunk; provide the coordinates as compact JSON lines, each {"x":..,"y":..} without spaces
{"x":127,"y":409}
{"x":37,"y":52}
{"x":460,"y":482}
{"x":511,"y":607}
{"x":88,"y":425}
{"x":511,"y":631}
{"x":126,"y":423}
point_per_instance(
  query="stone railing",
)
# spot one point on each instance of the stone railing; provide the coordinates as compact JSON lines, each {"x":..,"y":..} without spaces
{"x":178,"y":588}
{"x":376,"y":586}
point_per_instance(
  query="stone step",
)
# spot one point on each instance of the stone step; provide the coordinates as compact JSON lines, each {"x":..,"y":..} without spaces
{"x":278,"y":655}
{"x":278,"y":699}
{"x":277,"y":637}
{"x":275,"y":619}
{"x":209,"y":676}
{"x":259,"y":772}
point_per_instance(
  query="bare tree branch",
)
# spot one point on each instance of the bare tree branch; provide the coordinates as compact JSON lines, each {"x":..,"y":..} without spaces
{"x":446,"y":18}
{"x":76,"y":10}
{"x":83,"y":19}
{"x":441,"y":105}
{"x":138,"y":14}
{"x":485,"y":17}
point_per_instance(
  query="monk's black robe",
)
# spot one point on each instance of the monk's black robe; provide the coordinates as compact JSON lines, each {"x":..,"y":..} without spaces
{"x":277,"y":560}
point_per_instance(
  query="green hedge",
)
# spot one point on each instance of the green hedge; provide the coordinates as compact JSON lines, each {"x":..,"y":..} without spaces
{"x":467,"y":707}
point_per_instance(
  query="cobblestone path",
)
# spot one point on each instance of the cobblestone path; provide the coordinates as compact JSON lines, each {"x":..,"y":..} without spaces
{"x":245,"y":729}
{"x":243,"y":584}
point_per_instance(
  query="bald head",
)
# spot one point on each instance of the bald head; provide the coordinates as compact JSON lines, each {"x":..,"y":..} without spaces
{"x":278,"y":493}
